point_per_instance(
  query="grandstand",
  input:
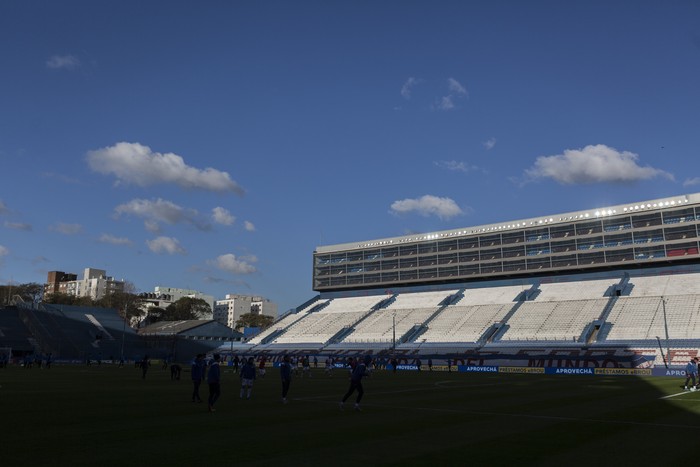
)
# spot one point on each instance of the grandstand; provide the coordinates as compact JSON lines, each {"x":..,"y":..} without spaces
{"x":70,"y":332}
{"x":76,"y":333}
{"x":14,"y":334}
{"x":619,"y":280}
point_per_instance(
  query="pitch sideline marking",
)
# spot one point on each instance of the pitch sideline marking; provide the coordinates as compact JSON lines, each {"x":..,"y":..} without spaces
{"x":677,"y":394}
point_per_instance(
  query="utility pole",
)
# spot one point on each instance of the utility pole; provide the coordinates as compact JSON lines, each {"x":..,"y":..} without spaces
{"x":668,"y":348}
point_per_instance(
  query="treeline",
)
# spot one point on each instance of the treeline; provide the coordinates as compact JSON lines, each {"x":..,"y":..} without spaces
{"x":129,"y":305}
{"x":30,"y":292}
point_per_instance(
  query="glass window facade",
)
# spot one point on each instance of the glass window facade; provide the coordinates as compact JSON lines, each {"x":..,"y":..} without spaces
{"x":635,"y":237}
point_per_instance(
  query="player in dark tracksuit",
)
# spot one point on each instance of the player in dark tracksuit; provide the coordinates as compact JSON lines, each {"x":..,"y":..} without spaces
{"x":214,"y":380}
{"x":197,"y":375}
{"x":286,"y":375}
{"x":359,"y":372}
{"x":247,"y":377}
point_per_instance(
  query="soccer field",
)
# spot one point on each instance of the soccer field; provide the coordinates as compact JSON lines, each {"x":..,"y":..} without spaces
{"x":77,"y":415}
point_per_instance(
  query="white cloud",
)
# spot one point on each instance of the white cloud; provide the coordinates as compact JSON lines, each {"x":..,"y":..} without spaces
{"x":135,"y":163}
{"x":456,"y":87}
{"x":249,"y":226}
{"x":63,"y":62}
{"x":456,"y":166}
{"x":18,"y":226}
{"x":40,"y":260}
{"x":67,"y":229}
{"x":489,"y":143}
{"x":428,"y":205}
{"x":408,"y":86}
{"x":593,"y":164}
{"x":167,"y":245}
{"x":692,"y":181}
{"x":62,"y":178}
{"x":445,"y":103}
{"x":161,"y":211}
{"x":230,"y":263}
{"x":111,"y":239}
{"x":4,"y":251}
{"x":3,"y":208}
{"x":152,"y":226}
{"x":222,"y":216}
{"x":237,"y":283}
{"x":456,"y":91}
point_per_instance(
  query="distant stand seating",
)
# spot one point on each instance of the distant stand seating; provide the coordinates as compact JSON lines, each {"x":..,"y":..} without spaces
{"x":540,"y":311}
{"x":399,"y":317}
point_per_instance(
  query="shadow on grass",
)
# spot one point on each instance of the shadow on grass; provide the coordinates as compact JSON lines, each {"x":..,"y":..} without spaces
{"x":77,"y":415}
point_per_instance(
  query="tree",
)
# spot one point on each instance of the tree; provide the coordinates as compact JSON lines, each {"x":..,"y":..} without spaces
{"x":84,"y":301}
{"x":253,"y":320}
{"x":29,"y":292}
{"x":59,"y":298}
{"x":187,"y":308}
{"x":154,"y":315}
{"x":126,"y":301}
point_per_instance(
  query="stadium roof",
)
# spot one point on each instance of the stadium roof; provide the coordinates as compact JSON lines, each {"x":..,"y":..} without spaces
{"x":553,"y":219}
{"x":171,"y":328}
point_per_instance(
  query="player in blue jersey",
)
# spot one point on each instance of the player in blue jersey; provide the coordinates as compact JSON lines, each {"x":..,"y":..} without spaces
{"x":691,"y":373}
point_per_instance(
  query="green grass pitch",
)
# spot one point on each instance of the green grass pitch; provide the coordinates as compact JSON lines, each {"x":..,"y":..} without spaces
{"x":108,"y":416}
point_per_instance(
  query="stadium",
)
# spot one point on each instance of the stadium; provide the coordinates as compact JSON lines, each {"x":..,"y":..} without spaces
{"x":529,"y":324}
{"x":613,"y":287}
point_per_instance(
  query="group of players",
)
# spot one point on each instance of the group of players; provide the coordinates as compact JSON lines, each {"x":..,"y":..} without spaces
{"x":212,"y":374}
{"x":691,"y":374}
{"x":200,"y":371}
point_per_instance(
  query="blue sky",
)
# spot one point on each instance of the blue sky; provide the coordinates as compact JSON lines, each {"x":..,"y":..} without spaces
{"x":213,"y":145}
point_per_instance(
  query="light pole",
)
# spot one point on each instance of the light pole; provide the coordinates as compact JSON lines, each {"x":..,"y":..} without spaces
{"x":126,"y":314}
{"x":663,"y":306}
{"x":662,"y":352}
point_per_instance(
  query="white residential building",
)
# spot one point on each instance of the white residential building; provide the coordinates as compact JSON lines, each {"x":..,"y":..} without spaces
{"x":94,"y":284}
{"x":229,"y":310}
